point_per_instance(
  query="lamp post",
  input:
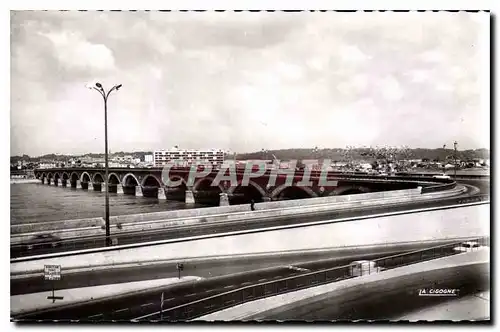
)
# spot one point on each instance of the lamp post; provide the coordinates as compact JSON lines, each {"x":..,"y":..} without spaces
{"x":455,"y":158}
{"x":99,"y":88}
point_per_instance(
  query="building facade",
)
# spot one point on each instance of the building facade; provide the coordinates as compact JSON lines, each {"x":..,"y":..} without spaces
{"x":186,"y":158}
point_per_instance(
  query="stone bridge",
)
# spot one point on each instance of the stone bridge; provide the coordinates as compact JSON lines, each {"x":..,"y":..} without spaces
{"x":148,"y":182}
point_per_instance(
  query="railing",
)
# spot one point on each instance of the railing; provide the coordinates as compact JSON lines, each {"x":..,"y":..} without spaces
{"x":232,"y":298}
{"x":297,"y":172}
{"x":438,"y":187}
{"x":92,"y":244}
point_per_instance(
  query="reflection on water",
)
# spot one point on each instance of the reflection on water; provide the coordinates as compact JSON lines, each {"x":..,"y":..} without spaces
{"x":31,"y":203}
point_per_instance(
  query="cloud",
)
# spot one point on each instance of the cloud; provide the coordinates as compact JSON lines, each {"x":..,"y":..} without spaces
{"x":74,"y":52}
{"x":212,"y":79}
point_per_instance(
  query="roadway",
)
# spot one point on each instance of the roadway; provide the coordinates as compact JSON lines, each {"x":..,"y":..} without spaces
{"x":141,"y":303}
{"x":387,"y":302}
{"x":208,"y":268}
{"x":223,"y":227}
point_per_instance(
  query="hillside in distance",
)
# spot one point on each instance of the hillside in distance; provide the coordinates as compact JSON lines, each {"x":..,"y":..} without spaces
{"x":364,"y":154}
{"x":336,"y":154}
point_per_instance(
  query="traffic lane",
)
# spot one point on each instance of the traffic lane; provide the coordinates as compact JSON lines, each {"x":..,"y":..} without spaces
{"x":386,"y":301}
{"x":206,"y":269}
{"x":196,"y":230}
{"x":292,"y":285}
{"x":482,"y":185}
{"x":128,"y":307}
{"x":132,"y":306}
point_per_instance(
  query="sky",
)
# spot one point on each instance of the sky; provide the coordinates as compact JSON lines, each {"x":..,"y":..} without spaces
{"x":248,"y":81}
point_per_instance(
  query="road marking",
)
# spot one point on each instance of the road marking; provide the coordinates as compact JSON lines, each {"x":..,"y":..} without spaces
{"x":192,"y":294}
{"x":121,"y":310}
{"x":230,"y":286}
{"x":277,"y":277}
{"x":262,"y":279}
{"x":246,"y":283}
{"x":291,"y":267}
{"x":97,"y":315}
{"x":145,"y":305}
{"x":170,"y":299}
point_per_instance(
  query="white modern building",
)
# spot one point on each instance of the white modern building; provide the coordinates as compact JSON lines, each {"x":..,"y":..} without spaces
{"x":148,"y":158}
{"x":186,"y":158}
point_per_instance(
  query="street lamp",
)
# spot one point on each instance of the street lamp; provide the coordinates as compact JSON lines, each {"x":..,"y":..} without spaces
{"x":455,"y":158}
{"x":99,"y":88}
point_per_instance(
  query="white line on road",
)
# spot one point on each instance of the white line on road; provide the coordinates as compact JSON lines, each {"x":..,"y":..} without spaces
{"x":121,"y":310}
{"x":246,"y":283}
{"x":170,"y":299}
{"x":262,"y":279}
{"x":298,"y":269}
{"x":145,"y":305}
{"x":192,"y":294}
{"x":97,"y":315}
{"x":230,"y":286}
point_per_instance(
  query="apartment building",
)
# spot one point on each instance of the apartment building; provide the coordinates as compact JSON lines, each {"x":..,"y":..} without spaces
{"x":186,"y":158}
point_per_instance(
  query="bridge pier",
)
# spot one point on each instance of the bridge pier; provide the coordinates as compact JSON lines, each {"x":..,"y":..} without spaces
{"x":97,"y":186}
{"x":190,"y":197}
{"x":85,"y":185}
{"x":129,"y":190}
{"x":48,"y":181}
{"x":138,"y":191}
{"x":161,"y":193}
{"x":74,"y":184}
{"x":56,"y":182}
{"x":43,"y":180}
{"x":223,"y":199}
{"x":64,"y":182}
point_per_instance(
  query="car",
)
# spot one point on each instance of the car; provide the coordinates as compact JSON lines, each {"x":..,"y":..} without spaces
{"x":44,"y":241}
{"x":363,"y":267}
{"x":468,"y":247}
{"x":441,"y":176}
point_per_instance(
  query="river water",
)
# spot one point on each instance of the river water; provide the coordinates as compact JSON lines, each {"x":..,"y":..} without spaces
{"x":36,"y":202}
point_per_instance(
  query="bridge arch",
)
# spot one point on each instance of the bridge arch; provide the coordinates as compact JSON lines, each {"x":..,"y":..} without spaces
{"x":151,"y":180}
{"x":177,"y":178}
{"x":349,"y":190}
{"x":98,"y":178}
{"x":245,"y":194}
{"x":292,"y":192}
{"x":50,"y":176}
{"x":74,"y":177}
{"x":113,"y":178}
{"x":206,"y":183}
{"x":65,"y":176}
{"x":85,"y":177}
{"x":44,"y":175}
{"x":130,"y":180}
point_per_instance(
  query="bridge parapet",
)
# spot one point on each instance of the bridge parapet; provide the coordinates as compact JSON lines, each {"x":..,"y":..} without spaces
{"x":205,"y":189}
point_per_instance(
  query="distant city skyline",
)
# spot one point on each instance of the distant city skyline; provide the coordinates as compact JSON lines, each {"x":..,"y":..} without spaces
{"x":248,"y":81}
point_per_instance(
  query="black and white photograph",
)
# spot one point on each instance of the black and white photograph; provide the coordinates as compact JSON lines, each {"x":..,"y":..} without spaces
{"x":248,"y":166}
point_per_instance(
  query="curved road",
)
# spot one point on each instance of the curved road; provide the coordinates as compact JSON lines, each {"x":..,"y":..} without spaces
{"x":127,"y":307}
{"x":223,"y":227}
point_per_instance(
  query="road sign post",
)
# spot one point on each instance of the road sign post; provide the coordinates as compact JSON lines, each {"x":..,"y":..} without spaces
{"x":180,"y":267}
{"x":52,"y":273}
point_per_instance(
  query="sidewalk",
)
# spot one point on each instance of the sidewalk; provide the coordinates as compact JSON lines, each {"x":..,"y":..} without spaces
{"x":37,"y":301}
{"x":260,"y":307}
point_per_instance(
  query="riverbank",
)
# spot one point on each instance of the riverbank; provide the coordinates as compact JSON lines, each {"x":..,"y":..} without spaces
{"x":21,"y":181}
